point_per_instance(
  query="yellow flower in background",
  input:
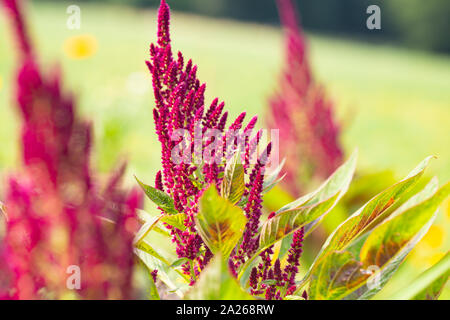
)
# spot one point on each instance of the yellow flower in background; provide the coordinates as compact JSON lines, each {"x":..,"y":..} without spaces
{"x":80,"y":46}
{"x":434,"y":237}
{"x":447,"y":211}
{"x":435,"y":258}
{"x":429,"y":250}
{"x":1,"y":83}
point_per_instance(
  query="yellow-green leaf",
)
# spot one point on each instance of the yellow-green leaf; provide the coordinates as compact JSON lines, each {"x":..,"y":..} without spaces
{"x":175,"y":220}
{"x":389,"y":243}
{"x":271,"y":180}
{"x":233,"y":184}
{"x":219,"y":223}
{"x":172,"y":278}
{"x":358,"y":223}
{"x":337,"y":183}
{"x":429,"y":284}
{"x":145,"y":230}
{"x":216,"y":283}
{"x":289,"y":221}
{"x":306,"y":211}
{"x":336,"y":275}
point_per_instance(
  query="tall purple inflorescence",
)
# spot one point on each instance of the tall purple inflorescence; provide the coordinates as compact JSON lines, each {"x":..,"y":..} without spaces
{"x":309,"y":134}
{"x":55,"y":211}
{"x":180,"y":113}
{"x":275,"y":281}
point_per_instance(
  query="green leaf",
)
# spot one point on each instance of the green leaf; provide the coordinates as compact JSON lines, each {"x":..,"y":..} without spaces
{"x":271,"y":180}
{"x":147,"y":248}
{"x":145,"y":229}
{"x":233,"y":184}
{"x":293,"y":297}
{"x":153,"y":290}
{"x":289,"y":221}
{"x":434,"y":290}
{"x":269,"y":282}
{"x":306,"y":211}
{"x":216,"y":283}
{"x":219,"y":223}
{"x":386,"y":247}
{"x":144,"y":246}
{"x":150,"y":285}
{"x":390,"y":242}
{"x":429,"y":284}
{"x":425,"y":193}
{"x":175,"y":220}
{"x":172,"y":278}
{"x":179,"y":262}
{"x":160,"y":198}
{"x":145,"y":217}
{"x":336,"y":275}
{"x":161,"y":231}
{"x":358,"y":223}
{"x":337,"y":183}
{"x":285,"y":245}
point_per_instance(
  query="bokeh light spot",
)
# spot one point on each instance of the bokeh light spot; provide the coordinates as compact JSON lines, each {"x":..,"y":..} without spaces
{"x":435,"y":237}
{"x":447,"y":209}
{"x":80,"y":46}
{"x":435,"y":258}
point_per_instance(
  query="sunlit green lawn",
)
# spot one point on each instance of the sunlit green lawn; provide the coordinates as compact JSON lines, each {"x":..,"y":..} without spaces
{"x":394,"y":104}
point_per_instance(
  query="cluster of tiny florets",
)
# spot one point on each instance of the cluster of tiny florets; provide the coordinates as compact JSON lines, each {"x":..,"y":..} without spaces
{"x":56,"y":215}
{"x":274,"y":281}
{"x":180,"y":105}
{"x":309,"y":134}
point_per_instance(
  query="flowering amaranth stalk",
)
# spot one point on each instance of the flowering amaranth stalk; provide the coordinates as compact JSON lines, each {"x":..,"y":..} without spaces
{"x":58,"y":221}
{"x":309,"y":135}
{"x":275,"y":281}
{"x":184,"y":123}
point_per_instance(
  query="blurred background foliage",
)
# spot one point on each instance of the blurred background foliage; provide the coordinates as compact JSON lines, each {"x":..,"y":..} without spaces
{"x":393,"y":102}
{"x":413,"y":23}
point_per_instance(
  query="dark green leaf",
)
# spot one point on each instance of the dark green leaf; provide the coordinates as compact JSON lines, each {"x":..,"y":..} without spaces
{"x":160,"y":198}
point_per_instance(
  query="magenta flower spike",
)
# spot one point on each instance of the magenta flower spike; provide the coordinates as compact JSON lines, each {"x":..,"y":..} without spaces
{"x":180,"y":108}
{"x":309,"y":134}
{"x":58,"y":221}
{"x":22,"y":37}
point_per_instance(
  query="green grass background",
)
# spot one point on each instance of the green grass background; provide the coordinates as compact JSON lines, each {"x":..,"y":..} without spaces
{"x":393,"y":103}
